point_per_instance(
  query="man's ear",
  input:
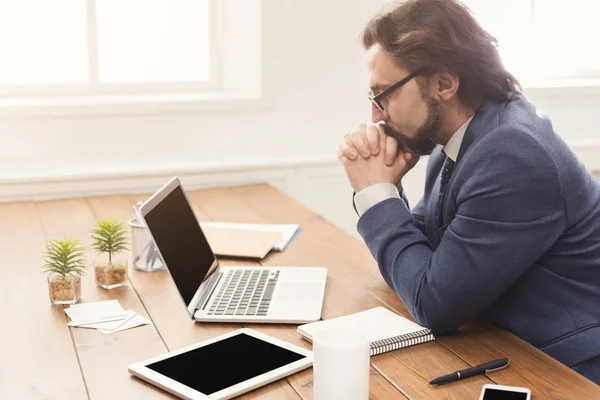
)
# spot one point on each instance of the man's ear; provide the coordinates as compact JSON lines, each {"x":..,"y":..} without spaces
{"x":446,"y":85}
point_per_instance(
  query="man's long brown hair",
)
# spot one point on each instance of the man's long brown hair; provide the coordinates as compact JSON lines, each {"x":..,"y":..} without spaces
{"x":442,"y":36}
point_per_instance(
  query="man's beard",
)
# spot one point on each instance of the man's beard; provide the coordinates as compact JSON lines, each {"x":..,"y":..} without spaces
{"x":426,"y":138}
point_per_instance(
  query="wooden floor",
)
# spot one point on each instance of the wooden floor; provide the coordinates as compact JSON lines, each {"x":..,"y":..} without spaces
{"x":42,"y":358}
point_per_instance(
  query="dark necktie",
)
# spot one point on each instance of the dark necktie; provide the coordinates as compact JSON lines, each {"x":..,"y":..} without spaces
{"x":445,"y":177}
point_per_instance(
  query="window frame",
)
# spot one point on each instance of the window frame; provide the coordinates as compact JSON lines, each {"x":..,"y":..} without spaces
{"x":95,"y":88}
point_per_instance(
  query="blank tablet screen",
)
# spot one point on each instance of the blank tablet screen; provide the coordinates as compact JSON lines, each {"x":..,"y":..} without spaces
{"x":222,"y":364}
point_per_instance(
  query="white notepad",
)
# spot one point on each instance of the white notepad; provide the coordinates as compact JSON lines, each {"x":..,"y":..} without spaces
{"x":387,"y":330}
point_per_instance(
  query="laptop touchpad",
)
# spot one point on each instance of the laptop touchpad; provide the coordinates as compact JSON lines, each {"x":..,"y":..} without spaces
{"x":295,"y":292}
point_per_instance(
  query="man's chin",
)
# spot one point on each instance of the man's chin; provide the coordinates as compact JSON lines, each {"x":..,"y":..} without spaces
{"x":421,"y":147}
{"x":420,"y":153}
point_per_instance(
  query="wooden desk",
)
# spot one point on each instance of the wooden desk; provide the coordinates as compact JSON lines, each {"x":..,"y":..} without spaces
{"x":43,"y":358}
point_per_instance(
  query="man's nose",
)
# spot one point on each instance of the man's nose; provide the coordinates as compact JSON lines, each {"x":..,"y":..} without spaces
{"x":377,"y":115}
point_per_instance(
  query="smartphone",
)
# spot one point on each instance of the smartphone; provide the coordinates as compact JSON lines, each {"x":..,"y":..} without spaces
{"x":500,"y":392}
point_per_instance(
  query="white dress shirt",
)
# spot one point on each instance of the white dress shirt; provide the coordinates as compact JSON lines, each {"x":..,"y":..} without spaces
{"x":374,"y":194}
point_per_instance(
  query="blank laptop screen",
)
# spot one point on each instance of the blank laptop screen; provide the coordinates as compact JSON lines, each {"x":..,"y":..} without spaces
{"x":182,"y":244}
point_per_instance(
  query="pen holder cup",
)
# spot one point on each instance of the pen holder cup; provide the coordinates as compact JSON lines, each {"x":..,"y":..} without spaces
{"x":145,"y":256}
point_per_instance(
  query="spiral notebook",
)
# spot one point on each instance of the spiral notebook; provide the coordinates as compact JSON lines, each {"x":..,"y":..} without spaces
{"x":387,"y":330}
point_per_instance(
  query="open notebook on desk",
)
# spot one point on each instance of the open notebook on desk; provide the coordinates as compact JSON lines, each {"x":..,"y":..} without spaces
{"x":287,"y":232}
{"x":387,"y":331}
{"x":240,"y":242}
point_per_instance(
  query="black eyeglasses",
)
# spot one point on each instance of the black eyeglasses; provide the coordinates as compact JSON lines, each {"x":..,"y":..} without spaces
{"x":377,"y":99}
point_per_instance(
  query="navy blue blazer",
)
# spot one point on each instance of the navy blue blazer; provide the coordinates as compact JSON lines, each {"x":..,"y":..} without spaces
{"x":518,"y":242}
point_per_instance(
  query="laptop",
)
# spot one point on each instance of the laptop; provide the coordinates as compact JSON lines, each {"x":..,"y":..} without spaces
{"x":216,"y":293}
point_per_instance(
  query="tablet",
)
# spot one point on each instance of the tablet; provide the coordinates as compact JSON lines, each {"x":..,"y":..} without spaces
{"x":224,"y":366}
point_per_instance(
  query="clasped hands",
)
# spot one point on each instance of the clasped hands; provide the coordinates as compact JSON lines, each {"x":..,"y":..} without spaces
{"x":369,"y":156}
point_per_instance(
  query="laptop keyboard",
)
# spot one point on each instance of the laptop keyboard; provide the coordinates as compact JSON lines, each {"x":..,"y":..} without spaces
{"x":245,"y":292}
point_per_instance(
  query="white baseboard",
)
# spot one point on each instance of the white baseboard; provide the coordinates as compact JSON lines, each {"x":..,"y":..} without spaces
{"x":147,"y":180}
{"x":589,"y":152}
{"x":291,"y":175}
{"x":321,"y":184}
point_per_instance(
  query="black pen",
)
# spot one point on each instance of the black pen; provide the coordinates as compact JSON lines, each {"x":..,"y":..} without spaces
{"x":476,"y":370}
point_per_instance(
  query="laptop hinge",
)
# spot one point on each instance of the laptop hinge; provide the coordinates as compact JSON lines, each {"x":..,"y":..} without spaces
{"x":205,"y":287}
{"x":212,"y":285}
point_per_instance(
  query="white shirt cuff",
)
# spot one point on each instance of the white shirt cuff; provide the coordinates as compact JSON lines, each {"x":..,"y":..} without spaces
{"x":374,"y":194}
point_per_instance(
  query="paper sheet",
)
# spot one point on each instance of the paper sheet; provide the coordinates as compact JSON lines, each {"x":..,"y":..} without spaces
{"x":132,"y":323}
{"x":111,"y":325}
{"x":90,"y":313}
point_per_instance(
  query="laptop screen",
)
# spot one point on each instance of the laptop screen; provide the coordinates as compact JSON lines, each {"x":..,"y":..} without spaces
{"x":182,"y":244}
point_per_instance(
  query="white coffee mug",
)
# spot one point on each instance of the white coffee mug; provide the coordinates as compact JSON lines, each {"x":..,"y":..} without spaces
{"x":341,"y":363}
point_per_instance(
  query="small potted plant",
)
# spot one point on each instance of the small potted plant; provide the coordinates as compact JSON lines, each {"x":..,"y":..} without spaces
{"x":109,"y":238}
{"x":65,"y":263}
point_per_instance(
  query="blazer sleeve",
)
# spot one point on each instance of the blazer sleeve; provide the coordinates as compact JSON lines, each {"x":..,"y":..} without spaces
{"x":417,"y":211}
{"x":509,"y":213}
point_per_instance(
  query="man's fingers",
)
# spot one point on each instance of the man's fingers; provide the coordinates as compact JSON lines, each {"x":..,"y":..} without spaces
{"x":389,"y":146}
{"x":391,"y":150}
{"x":347,"y":151}
{"x":340,"y":156}
{"x":358,"y":140}
{"x":373,"y":139}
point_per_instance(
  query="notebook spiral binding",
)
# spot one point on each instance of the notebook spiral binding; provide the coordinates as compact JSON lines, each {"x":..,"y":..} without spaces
{"x":398,"y":342}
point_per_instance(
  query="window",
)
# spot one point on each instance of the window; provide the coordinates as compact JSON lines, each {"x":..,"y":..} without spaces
{"x":542,"y":40}
{"x":96,"y":46}
{"x":97,"y":57}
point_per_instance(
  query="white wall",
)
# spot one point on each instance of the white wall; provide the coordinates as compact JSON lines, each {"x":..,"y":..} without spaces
{"x":315,"y":82}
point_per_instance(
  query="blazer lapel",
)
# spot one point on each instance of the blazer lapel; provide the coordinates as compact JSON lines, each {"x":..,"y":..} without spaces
{"x":437,"y":161}
{"x":432,"y":227}
{"x":484,"y":120}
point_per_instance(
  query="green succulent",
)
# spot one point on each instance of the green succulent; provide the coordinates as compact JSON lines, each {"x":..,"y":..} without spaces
{"x":109,"y":237}
{"x":65,"y":257}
